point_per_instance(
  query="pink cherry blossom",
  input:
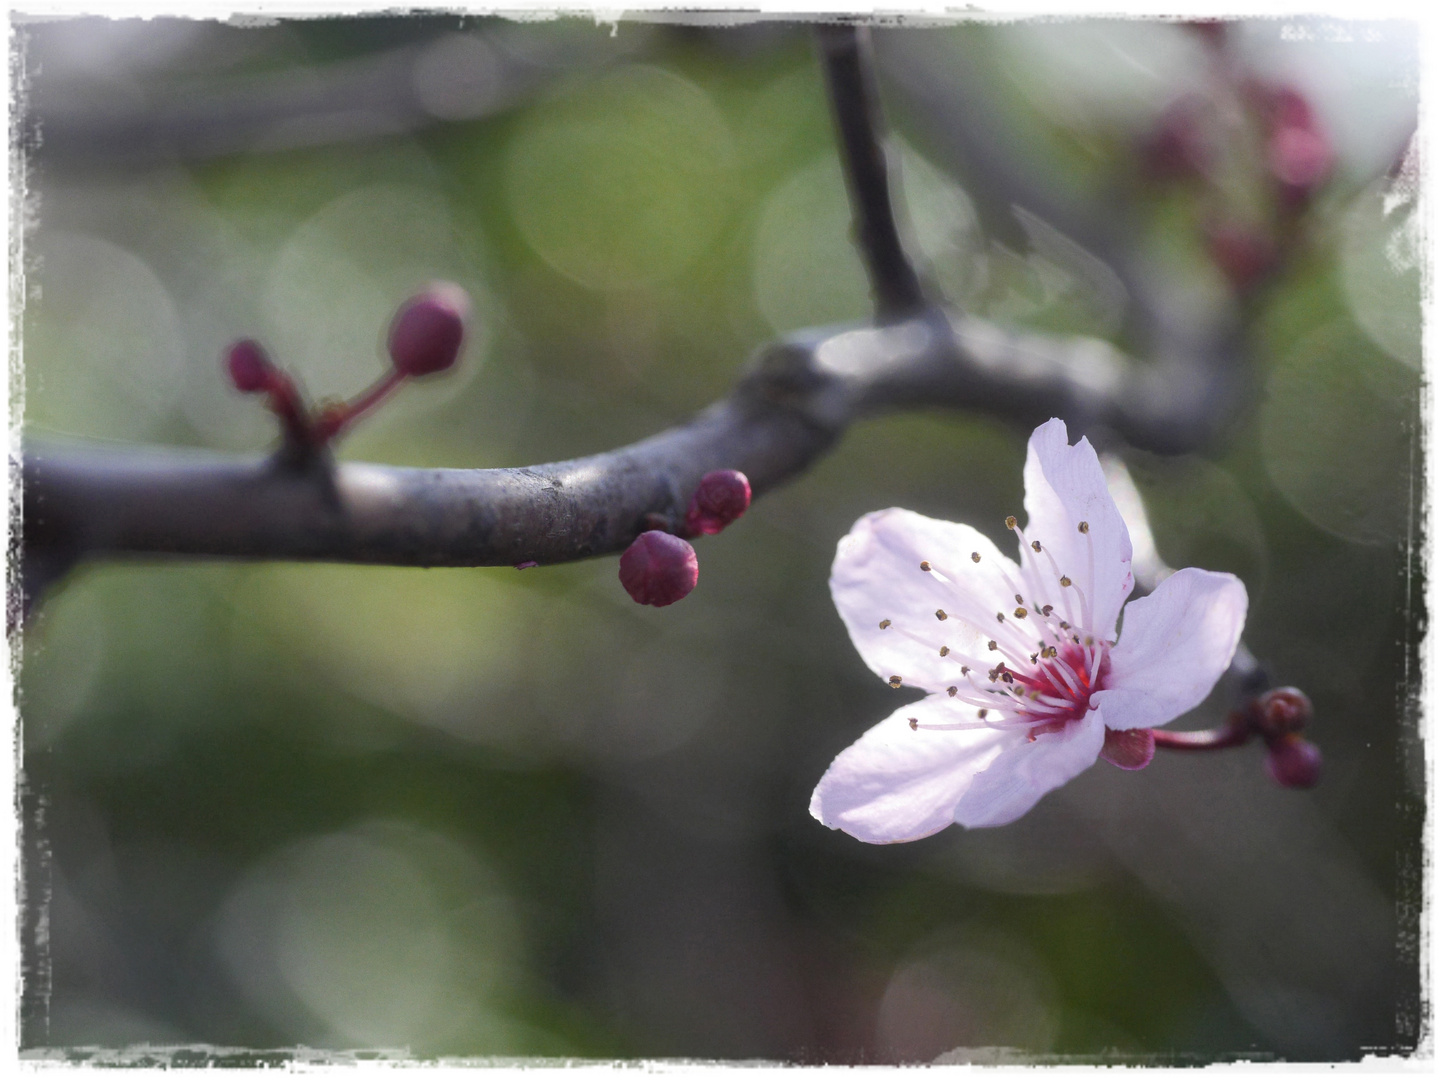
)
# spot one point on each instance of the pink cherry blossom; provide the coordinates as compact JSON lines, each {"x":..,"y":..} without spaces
{"x":1025,"y":674}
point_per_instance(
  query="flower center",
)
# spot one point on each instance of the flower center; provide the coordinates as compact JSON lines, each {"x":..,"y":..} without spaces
{"x":1050,"y":661}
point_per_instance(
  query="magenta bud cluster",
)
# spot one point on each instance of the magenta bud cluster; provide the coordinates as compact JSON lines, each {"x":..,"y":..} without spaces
{"x":1279,"y":716}
{"x":659,"y":569}
{"x":426,"y":336}
{"x":428,"y":331}
{"x":723,"y":495}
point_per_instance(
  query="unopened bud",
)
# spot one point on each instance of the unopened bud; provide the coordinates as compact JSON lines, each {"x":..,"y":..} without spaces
{"x":723,"y":495}
{"x":428,"y":330}
{"x":1132,"y":749}
{"x":1293,"y":762}
{"x":1282,"y":711}
{"x":1177,"y":147}
{"x":1300,"y":158}
{"x":1244,"y":255}
{"x":249,"y":368}
{"x":658,"y":569}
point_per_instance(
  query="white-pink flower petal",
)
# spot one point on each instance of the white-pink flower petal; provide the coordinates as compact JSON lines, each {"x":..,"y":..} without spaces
{"x":1174,"y":645}
{"x":1018,"y":777}
{"x":877,"y":578}
{"x":1064,"y":486}
{"x":894,"y":784}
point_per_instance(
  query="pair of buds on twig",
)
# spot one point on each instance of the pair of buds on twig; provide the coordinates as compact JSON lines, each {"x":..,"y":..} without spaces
{"x":425,"y":337}
{"x":660,"y":567}
{"x":1276,"y":716}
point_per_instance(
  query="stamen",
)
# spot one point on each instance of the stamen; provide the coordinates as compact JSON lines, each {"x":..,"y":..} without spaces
{"x":1065,"y":582}
{"x":1084,"y":526}
{"x":1010,"y":522}
{"x":991,"y":646}
{"x":895,"y":681}
{"x":1020,"y":613}
{"x":914,"y":724}
{"x":924,"y":566}
{"x":983,"y":713}
{"x":999,"y":616}
{"x":940,"y":614}
{"x":964,"y":669}
{"x":952,"y":690}
{"x":1047,"y":610}
{"x":884,"y":624}
{"x":974,"y":556}
{"x":944,"y":650}
{"x":1035,"y":544}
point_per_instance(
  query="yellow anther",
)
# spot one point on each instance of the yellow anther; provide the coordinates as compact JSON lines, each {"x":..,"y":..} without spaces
{"x":1084,"y":526}
{"x":1010,"y":522}
{"x":940,"y":614}
{"x":1065,"y":582}
{"x":895,"y":682}
{"x":1064,"y":625}
{"x":884,"y":624}
{"x":925,"y":566}
{"x":1089,"y":640}
{"x":944,"y":650}
{"x":1034,"y":656}
{"x":1020,"y":613}
{"x":974,"y":556}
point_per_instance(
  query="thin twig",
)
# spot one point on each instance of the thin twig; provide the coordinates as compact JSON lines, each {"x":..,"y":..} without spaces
{"x":854,"y":101}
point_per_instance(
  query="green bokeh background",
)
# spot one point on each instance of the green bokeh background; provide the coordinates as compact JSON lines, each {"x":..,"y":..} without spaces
{"x":482,"y":812}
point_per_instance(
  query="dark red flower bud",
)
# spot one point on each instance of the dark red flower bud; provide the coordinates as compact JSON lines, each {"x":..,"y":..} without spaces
{"x":1283,"y":711}
{"x":428,"y":330}
{"x":1131,"y":749}
{"x":723,"y":495}
{"x":250,"y":369}
{"x":1293,"y":762}
{"x":1177,"y":148}
{"x":1301,"y":159}
{"x":658,"y":569}
{"x":1243,"y":254}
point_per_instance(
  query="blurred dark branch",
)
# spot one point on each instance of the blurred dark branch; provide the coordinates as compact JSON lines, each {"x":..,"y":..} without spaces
{"x":849,"y":77}
{"x":454,"y":76}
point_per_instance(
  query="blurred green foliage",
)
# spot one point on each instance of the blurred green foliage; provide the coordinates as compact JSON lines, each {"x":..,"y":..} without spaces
{"x":482,"y":812}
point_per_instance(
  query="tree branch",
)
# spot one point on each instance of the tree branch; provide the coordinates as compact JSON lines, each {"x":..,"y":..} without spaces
{"x":795,"y":402}
{"x":854,"y":101}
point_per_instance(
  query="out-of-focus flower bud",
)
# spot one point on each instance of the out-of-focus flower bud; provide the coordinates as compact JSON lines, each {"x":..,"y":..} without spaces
{"x":1177,"y":147}
{"x":429,"y":329}
{"x":1283,"y":711}
{"x":1293,"y":762}
{"x":1300,"y":159}
{"x":1243,"y":253}
{"x":249,"y":368}
{"x":658,"y":569}
{"x":1131,"y":749}
{"x":723,"y":495}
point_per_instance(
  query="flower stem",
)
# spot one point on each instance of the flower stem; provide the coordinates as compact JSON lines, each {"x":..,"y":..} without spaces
{"x":1234,"y":733}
